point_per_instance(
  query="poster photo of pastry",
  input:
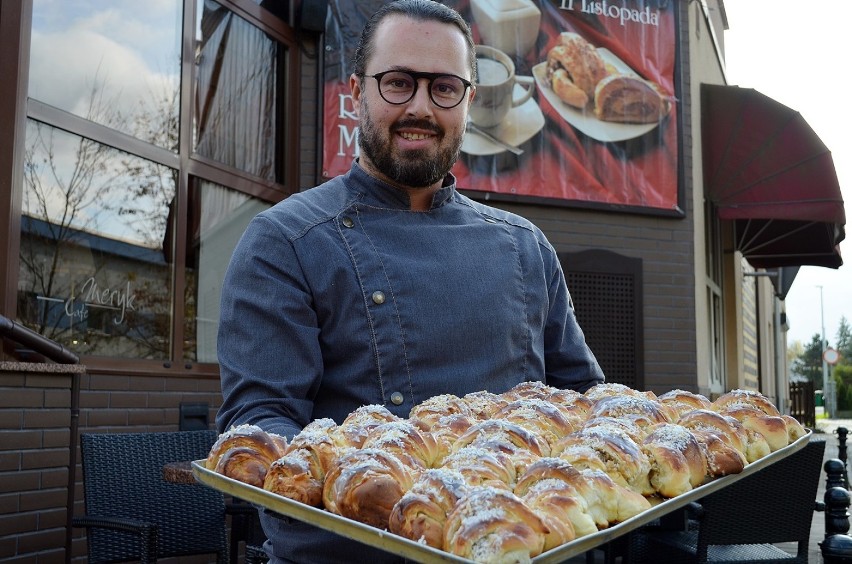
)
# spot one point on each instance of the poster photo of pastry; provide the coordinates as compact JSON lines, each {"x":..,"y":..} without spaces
{"x":593,"y":90}
{"x":576,"y":105}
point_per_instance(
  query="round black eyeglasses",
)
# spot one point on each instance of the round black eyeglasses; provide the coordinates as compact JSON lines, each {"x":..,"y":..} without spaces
{"x":398,"y":87}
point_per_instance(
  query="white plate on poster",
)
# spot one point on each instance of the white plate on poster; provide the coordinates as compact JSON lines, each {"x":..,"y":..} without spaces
{"x":585,"y":121}
{"x":520,"y":125}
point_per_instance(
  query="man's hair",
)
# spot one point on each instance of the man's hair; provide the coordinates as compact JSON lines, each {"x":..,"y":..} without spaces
{"x":422,"y":10}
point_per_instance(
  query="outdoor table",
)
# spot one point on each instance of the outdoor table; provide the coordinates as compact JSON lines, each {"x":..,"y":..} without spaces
{"x":425,"y":554}
{"x":179,"y":472}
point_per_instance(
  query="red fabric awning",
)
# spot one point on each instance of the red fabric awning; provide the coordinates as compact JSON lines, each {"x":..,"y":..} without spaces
{"x":766,"y":170}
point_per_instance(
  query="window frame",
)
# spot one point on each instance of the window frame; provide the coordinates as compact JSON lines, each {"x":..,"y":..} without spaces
{"x":15,"y":31}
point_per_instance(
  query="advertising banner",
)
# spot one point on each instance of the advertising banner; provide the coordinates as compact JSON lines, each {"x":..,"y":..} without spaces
{"x":594,"y":115}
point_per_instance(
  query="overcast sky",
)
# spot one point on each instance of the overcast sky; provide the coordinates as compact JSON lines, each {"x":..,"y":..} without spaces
{"x":797,"y":53}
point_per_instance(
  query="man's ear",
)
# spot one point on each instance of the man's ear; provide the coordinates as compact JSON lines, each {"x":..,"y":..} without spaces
{"x":355,"y":89}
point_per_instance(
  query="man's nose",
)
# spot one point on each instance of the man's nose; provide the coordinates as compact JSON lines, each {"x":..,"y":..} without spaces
{"x":421,"y":103}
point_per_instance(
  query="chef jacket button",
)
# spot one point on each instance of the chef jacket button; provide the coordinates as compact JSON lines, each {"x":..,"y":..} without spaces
{"x":397,"y":398}
{"x":347,"y":222}
{"x":378,"y":297}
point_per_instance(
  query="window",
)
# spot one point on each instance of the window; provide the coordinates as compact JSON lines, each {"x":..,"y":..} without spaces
{"x":220,"y":219}
{"x":236,"y":119}
{"x":93,"y":274}
{"x":142,"y":166}
{"x":715,"y":307}
{"x":113,"y":63}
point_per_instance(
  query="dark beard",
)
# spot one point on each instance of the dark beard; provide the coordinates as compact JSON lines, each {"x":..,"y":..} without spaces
{"x":414,"y":169}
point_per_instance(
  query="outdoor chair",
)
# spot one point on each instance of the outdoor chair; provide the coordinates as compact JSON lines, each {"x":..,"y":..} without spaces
{"x":133,"y":513}
{"x":745,"y":521}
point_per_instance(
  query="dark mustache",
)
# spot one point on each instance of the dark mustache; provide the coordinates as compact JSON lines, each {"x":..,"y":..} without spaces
{"x":418,"y":124}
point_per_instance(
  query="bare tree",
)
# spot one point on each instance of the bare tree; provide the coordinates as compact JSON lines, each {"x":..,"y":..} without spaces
{"x":76,"y":193}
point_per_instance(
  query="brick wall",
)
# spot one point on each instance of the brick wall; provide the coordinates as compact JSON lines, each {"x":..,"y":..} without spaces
{"x":35,"y":421}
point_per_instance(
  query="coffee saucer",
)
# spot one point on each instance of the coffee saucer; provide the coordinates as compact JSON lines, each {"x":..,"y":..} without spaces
{"x":519,"y":126}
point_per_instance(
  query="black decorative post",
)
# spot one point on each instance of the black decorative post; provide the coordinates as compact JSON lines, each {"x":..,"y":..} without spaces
{"x":837,"y":546}
{"x":834,"y":472}
{"x":842,"y":432}
{"x":836,"y":511}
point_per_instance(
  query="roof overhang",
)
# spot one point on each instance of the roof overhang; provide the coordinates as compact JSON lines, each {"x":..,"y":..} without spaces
{"x":768,"y":172}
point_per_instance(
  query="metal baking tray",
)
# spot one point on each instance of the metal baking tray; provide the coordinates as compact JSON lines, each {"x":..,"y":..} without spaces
{"x":426,"y":554}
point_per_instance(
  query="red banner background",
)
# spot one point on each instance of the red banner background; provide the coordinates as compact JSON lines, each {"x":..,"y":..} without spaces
{"x":560,"y":162}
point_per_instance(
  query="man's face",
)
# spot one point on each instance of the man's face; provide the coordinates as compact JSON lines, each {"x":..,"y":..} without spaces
{"x":415,"y":144}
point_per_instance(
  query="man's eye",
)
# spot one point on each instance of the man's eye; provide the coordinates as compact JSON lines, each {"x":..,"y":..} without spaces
{"x":398,"y":83}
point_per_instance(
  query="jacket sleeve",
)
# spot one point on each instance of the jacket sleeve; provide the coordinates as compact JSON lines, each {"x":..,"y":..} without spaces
{"x":268,"y":349}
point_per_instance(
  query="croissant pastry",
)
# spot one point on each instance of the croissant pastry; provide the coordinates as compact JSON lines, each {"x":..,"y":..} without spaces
{"x":406,"y":441}
{"x":528,"y":389}
{"x":512,"y":433}
{"x":617,"y":503}
{"x":427,"y":413}
{"x":245,"y":453}
{"x":358,"y":423}
{"x":422,"y":511}
{"x":677,"y":461}
{"x":751,"y":444}
{"x":480,"y":466}
{"x":575,"y":402}
{"x":296,"y":476}
{"x":548,"y":488}
{"x":566,"y":90}
{"x":365,"y":484}
{"x":722,"y":459}
{"x":772,"y":428}
{"x":746,"y":398}
{"x":483,"y":403}
{"x":580,"y":456}
{"x":491,"y":525}
{"x":795,"y":430}
{"x":625,"y":461}
{"x":581,"y":61}
{"x":546,"y":419}
{"x":322,"y":443}
{"x":629,"y":426}
{"x":605,"y":501}
{"x":683,"y":401}
{"x":446,"y":432}
{"x":642,"y":410}
{"x":607,"y":389}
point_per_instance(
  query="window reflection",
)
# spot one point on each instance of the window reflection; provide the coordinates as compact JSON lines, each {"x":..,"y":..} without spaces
{"x":218,"y":217}
{"x":114,"y":62}
{"x":93,"y":273}
{"x":235,"y":118}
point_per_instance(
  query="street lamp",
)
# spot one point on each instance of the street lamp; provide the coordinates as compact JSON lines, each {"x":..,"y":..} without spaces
{"x":825,"y":394}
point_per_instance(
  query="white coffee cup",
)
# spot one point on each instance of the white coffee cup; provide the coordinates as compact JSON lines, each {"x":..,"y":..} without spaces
{"x":495,"y":87}
{"x":509,"y":25}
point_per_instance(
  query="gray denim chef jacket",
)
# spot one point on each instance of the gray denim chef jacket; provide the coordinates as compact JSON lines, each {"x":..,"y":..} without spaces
{"x":341,"y":296}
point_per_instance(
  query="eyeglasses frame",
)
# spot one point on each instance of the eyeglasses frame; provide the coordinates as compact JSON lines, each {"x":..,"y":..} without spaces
{"x":431,"y":76}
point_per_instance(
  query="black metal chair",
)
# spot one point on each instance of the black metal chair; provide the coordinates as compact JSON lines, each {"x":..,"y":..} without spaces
{"x":133,"y":513}
{"x":745,"y":521}
{"x":246,"y":529}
